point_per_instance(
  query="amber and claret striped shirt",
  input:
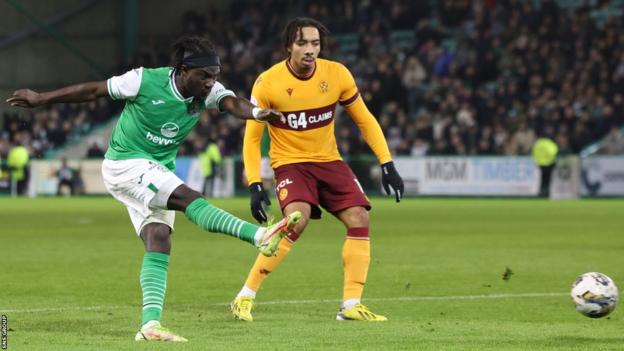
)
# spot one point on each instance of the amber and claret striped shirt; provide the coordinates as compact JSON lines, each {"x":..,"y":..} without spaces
{"x":306,"y":133}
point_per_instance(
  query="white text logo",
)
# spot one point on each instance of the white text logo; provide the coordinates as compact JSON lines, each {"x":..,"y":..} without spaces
{"x":302,"y":121}
{"x":159,"y":140}
{"x":283,"y":183}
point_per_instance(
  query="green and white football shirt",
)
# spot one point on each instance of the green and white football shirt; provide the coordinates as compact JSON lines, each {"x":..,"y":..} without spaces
{"x":156,"y":118}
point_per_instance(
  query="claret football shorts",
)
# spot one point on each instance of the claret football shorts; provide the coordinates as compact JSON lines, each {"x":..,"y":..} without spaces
{"x":330,"y":185}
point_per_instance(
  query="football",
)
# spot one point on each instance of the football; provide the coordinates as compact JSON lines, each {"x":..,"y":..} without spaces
{"x":595,"y":294}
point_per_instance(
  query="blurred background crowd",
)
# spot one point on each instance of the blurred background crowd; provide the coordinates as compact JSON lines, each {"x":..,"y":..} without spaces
{"x":452,"y":77}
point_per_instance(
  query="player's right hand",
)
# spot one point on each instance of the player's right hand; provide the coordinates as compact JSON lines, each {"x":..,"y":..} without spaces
{"x":269,"y":115}
{"x":25,"y":98}
{"x":259,"y":202}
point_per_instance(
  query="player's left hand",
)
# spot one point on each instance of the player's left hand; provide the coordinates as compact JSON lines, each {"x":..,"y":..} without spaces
{"x":390,"y":178}
{"x":269,"y":115}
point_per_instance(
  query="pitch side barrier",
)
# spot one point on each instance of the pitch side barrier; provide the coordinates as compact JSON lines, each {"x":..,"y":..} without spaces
{"x":594,"y":176}
{"x":496,"y":176}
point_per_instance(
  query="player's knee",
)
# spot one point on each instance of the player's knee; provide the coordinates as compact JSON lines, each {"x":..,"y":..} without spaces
{"x":189,"y":196}
{"x":160,"y":235}
{"x":358,"y":217}
{"x":156,"y":236}
{"x":300,"y":227}
{"x":181,"y":197}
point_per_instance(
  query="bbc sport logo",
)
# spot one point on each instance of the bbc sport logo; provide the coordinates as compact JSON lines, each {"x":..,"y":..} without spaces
{"x":5,"y":321}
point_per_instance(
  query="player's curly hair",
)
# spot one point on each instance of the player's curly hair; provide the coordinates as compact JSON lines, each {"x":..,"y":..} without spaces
{"x":293,"y":29}
{"x":187,"y":46}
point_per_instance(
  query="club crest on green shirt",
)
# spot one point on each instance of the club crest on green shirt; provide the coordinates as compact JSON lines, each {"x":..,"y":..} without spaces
{"x":169,"y":129}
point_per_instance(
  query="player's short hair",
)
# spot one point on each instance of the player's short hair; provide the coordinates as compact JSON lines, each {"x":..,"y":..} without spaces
{"x":293,"y":29}
{"x":190,"y":46}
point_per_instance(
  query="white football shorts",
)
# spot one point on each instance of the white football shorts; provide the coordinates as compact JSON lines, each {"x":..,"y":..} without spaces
{"x":144,"y":186}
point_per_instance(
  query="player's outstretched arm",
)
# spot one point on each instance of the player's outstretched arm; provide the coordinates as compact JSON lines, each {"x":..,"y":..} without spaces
{"x":244,"y":109}
{"x":73,"y":93}
{"x":373,"y":135}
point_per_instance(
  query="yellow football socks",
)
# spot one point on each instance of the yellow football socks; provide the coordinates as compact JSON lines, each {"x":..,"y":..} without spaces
{"x":265,"y":265}
{"x":355,"y":260}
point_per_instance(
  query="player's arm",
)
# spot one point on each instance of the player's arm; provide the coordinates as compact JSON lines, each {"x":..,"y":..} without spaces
{"x":251,"y":161}
{"x":244,"y":109}
{"x":373,"y":135}
{"x":371,"y":131}
{"x":260,"y":96}
{"x":73,"y":93}
{"x":251,"y":151}
{"x":125,"y":86}
{"x":252,"y":155}
{"x":224,"y":100}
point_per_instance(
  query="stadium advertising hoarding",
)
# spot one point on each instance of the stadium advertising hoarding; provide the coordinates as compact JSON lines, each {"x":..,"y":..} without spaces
{"x":44,"y":181}
{"x":566,"y":178}
{"x":445,"y":176}
{"x":470,"y":176}
{"x":189,"y":170}
{"x":602,"y":176}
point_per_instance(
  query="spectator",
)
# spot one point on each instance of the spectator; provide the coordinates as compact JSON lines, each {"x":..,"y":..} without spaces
{"x":522,"y":140}
{"x":545,"y":156}
{"x":413,"y":80}
{"x":613,"y":143}
{"x":210,"y":160}
{"x":18,"y":163}
{"x":478,"y":69}
{"x":4,"y":168}
{"x":95,"y":150}
{"x":67,"y":177}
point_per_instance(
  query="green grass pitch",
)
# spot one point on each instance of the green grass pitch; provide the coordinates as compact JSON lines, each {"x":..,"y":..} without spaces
{"x":69,"y":278}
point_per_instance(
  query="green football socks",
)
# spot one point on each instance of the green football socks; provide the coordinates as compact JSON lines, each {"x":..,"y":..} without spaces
{"x":153,"y":283}
{"x":213,"y":219}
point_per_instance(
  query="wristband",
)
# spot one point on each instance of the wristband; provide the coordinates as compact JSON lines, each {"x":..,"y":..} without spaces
{"x":255,"y":112}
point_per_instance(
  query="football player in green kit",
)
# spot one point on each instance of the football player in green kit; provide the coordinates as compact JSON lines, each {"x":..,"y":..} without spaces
{"x":162,"y":107}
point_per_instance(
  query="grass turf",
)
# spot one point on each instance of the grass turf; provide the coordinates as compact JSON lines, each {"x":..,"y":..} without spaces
{"x":69,"y":278}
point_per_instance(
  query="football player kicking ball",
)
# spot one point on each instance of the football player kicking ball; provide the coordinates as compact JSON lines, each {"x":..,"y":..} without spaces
{"x":162,"y":107}
{"x":309,"y":172}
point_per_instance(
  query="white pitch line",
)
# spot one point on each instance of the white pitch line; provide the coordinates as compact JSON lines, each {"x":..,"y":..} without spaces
{"x":292,"y":302}
{"x":417,"y":298}
{"x":60,"y":309}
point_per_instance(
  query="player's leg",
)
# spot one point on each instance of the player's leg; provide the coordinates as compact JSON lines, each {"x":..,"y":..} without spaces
{"x":243,"y":303}
{"x":213,"y":219}
{"x":296,"y":192}
{"x":355,"y":259}
{"x":153,"y":280}
{"x":343,"y":196}
{"x":545,"y":179}
{"x":144,"y":187}
{"x":123,"y":180}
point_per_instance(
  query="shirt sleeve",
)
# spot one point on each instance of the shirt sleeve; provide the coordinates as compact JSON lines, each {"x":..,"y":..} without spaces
{"x":217,"y":93}
{"x":125,"y":86}
{"x":348,"y":89}
{"x":259,"y":93}
{"x":254,"y":131}
{"x":251,"y":150}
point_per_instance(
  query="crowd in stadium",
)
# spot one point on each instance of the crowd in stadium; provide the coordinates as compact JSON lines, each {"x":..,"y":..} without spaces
{"x":459,"y":78}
